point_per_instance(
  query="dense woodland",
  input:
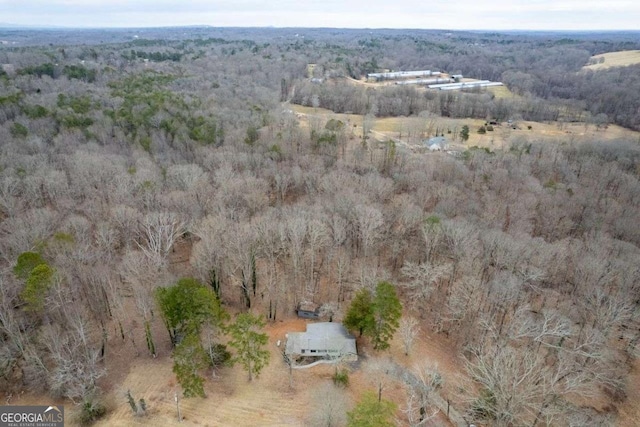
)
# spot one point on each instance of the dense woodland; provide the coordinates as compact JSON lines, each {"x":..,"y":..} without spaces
{"x":115,"y":152}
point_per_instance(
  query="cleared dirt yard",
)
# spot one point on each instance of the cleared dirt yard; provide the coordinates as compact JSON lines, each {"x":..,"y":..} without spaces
{"x":267,"y":401}
{"x":231,"y":399}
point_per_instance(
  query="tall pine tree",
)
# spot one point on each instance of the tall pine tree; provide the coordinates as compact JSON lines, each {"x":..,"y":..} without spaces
{"x":360,"y":314}
{"x":376,"y":316}
{"x":387,"y":311}
{"x":249,"y":341}
{"x":189,"y":358}
{"x":186,"y":306}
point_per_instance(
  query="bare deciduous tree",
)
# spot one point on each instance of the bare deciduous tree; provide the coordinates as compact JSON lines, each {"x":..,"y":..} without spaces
{"x":511,"y":384}
{"x":183,"y":177}
{"x":317,"y":238}
{"x":157,"y":233}
{"x":370,"y":222}
{"x":378,"y":371}
{"x":424,"y":280}
{"x":143,"y":276}
{"x":296,"y":233}
{"x":420,"y":382}
{"x":331,"y":407}
{"x":409,"y":329}
{"x":72,"y":346}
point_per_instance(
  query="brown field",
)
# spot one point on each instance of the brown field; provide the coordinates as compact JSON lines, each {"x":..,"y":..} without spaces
{"x":503,"y":135}
{"x":410,"y":131}
{"x":614,"y":59}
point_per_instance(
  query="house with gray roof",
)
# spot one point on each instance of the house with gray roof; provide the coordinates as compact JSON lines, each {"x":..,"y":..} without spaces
{"x":322,"y":340}
{"x":438,"y":143}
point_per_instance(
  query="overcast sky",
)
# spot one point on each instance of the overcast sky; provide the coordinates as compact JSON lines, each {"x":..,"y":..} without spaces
{"x":437,"y":14}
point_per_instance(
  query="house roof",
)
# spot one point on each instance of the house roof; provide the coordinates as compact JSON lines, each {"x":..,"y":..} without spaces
{"x":440,"y":140}
{"x":321,"y":338}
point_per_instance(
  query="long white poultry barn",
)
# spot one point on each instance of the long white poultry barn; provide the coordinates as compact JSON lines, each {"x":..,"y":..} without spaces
{"x":424,"y":81}
{"x":403,"y":74}
{"x":464,"y":85}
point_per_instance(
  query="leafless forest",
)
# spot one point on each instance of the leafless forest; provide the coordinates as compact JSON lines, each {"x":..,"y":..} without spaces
{"x":118,"y":156}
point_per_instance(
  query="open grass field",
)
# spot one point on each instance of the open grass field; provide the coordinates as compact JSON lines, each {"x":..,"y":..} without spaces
{"x":614,"y":59}
{"x":412,"y":130}
{"x":501,"y":92}
{"x":553,"y":132}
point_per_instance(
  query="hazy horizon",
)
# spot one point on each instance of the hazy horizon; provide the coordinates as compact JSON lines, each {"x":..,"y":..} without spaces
{"x":513,"y":15}
{"x":9,"y":25}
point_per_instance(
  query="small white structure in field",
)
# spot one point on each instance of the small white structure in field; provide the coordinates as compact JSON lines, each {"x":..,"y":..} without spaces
{"x":438,"y":143}
{"x":323,"y":340}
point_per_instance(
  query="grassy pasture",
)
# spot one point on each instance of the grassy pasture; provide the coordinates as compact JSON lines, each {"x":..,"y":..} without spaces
{"x":413,"y":129}
{"x":614,"y":59}
{"x":501,"y":92}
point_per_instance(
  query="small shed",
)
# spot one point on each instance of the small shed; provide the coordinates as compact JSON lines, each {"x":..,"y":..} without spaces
{"x":308,"y":310}
{"x":325,"y":339}
{"x":438,"y":143}
{"x":307,"y":314}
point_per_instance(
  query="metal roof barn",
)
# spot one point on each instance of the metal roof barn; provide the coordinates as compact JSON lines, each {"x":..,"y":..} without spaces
{"x":465,"y":85}
{"x":458,"y":85}
{"x":474,"y":84}
{"x":423,"y":81}
{"x":403,"y":74}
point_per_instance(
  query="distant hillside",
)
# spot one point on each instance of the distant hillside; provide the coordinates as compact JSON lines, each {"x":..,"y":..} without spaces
{"x":613,"y":59}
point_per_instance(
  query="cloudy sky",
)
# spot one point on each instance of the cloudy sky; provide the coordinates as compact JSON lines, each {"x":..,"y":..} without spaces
{"x":440,"y":14}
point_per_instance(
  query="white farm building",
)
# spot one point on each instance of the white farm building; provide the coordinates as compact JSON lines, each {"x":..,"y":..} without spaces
{"x":402,"y":75}
{"x":464,"y":85}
